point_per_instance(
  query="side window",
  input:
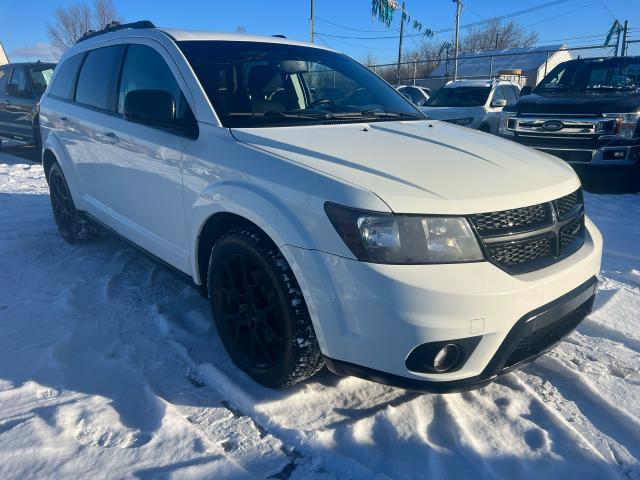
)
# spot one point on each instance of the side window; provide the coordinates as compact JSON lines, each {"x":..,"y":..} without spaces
{"x":40,"y":77}
{"x":64,"y":83}
{"x":145,"y":69}
{"x":97,"y":76}
{"x":5,"y":73}
{"x":498,"y":94}
{"x":18,"y":85}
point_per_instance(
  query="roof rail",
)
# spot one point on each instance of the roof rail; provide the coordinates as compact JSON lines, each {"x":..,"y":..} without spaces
{"x":113,"y":26}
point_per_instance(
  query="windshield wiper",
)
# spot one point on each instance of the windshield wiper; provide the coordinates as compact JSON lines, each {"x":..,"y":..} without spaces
{"x":377,"y":114}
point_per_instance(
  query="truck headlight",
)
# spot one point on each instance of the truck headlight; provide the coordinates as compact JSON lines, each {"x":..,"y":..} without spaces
{"x":404,"y":239}
{"x":461,"y":121}
{"x":503,"y":126}
{"x":626,"y":124}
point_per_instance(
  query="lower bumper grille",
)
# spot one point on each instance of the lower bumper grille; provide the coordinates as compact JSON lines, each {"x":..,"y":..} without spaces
{"x":543,"y":339}
{"x":581,"y":156}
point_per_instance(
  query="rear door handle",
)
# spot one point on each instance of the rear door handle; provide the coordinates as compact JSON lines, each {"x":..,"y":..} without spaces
{"x":108,"y":137}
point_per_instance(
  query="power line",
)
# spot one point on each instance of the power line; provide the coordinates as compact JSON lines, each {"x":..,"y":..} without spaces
{"x":468,"y":25}
{"x":349,"y":28}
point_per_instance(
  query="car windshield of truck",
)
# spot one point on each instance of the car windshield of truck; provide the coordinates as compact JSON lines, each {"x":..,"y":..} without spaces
{"x":459,"y":97}
{"x":259,"y":84}
{"x":41,"y":76}
{"x":610,"y":75}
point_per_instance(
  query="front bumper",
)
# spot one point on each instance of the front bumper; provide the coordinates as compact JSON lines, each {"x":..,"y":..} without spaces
{"x":369,"y":317}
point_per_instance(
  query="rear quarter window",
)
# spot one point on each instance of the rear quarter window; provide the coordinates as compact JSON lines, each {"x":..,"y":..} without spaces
{"x":64,"y":82}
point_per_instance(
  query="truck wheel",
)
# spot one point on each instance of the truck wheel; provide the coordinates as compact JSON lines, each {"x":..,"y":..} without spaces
{"x":259,"y":310}
{"x":72,"y":225}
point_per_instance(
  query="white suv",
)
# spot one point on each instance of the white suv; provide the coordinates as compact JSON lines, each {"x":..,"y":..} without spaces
{"x":327,"y":221}
{"x":474,"y":104}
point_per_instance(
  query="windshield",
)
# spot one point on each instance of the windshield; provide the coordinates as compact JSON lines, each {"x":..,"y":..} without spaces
{"x":616,"y":74}
{"x":459,"y":97}
{"x":255,"y":84}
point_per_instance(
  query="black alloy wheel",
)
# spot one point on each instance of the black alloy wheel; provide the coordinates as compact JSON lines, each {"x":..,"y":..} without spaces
{"x":259,"y":310}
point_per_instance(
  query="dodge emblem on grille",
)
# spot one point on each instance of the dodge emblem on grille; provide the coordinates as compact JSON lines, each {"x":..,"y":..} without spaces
{"x":553,"y":125}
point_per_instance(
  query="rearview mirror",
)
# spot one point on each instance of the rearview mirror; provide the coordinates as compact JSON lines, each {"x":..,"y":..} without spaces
{"x":526,"y":90}
{"x":498,"y":103}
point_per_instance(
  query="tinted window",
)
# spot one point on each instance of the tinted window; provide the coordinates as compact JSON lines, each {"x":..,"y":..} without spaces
{"x":459,"y":97}
{"x":621,"y":74}
{"x":414,"y":93}
{"x":499,"y":94}
{"x":5,"y":73}
{"x":65,"y":81}
{"x":19,"y":79}
{"x":145,"y":69}
{"x":40,"y":76}
{"x":255,"y":84}
{"x":96,"y":80}
{"x":512,"y":95}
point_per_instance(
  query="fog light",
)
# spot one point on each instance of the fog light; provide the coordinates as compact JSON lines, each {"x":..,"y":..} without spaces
{"x":446,"y":357}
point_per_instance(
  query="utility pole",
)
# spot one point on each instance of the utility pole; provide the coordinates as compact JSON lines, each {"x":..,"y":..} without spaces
{"x":617,"y":41}
{"x":624,"y":37}
{"x":311,"y":23}
{"x":400,"y":44}
{"x":457,"y":46}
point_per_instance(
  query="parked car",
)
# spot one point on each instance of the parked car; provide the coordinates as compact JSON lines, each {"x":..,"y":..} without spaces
{"x":586,"y":112}
{"x":21,"y":85}
{"x":472,"y":103}
{"x":348,"y":231}
{"x":418,"y":95}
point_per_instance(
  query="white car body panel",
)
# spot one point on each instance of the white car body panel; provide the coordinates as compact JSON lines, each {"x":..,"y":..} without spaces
{"x":158,"y":190}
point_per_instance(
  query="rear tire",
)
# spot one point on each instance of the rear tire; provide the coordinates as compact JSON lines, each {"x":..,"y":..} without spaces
{"x":259,"y":310}
{"x":72,"y":225}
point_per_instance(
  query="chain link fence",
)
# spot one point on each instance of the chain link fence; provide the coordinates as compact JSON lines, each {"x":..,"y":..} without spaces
{"x":526,"y":66}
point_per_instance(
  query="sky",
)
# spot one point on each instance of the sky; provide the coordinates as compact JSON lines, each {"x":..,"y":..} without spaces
{"x":575,"y":22}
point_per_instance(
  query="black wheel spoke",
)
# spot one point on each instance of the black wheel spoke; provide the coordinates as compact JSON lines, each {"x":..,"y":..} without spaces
{"x":249,"y":311}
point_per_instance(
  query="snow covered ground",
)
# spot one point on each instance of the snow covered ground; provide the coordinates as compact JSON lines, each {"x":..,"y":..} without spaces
{"x":110,"y":368}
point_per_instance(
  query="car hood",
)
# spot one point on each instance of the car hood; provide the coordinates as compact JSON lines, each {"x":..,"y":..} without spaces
{"x":450,"y":113}
{"x":422,"y":166}
{"x":578,"y":103}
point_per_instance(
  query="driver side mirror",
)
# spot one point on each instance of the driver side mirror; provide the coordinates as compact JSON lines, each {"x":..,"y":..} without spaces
{"x":526,"y":90}
{"x":498,"y":103}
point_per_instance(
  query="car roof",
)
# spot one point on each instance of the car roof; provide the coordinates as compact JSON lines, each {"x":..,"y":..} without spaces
{"x":23,"y":64}
{"x":477,"y":83}
{"x":190,"y":35}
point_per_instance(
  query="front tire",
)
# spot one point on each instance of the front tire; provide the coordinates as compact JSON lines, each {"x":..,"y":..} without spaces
{"x":72,"y":225}
{"x":259,"y":310}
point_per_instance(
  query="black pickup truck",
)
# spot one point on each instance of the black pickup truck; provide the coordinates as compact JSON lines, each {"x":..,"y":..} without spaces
{"x":586,"y":112}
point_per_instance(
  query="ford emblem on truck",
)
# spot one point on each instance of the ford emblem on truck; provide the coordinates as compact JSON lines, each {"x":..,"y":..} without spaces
{"x":553,"y":125}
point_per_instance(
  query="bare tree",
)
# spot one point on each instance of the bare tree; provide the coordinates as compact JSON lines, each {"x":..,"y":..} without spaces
{"x":497,"y":35}
{"x":71,"y":22}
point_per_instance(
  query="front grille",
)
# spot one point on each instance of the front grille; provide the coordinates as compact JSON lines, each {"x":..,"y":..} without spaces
{"x":529,"y":238}
{"x":514,"y":220}
{"x":544,"y":338}
{"x":565,"y":204}
{"x":516,"y":253}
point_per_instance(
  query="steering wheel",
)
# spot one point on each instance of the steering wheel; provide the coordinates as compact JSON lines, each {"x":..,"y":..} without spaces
{"x":321,"y":101}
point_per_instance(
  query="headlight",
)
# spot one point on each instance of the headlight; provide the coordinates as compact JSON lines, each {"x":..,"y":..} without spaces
{"x":461,"y":121}
{"x":626,"y":124}
{"x":405,"y":239}
{"x":503,"y":127}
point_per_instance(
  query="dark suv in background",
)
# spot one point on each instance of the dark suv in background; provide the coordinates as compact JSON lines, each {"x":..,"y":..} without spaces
{"x":21,"y":86}
{"x":587,"y":112}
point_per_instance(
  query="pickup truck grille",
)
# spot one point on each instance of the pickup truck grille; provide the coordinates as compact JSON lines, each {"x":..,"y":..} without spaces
{"x":525,"y":239}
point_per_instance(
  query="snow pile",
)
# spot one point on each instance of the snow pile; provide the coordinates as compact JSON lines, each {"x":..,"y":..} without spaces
{"x":110,"y":368}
